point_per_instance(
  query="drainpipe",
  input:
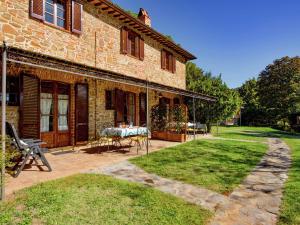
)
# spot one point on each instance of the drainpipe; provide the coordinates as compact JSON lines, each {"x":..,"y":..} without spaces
{"x":4,"y":65}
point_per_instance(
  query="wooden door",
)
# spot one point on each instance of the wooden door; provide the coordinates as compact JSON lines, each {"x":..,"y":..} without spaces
{"x":143,"y":109}
{"x":82,"y":114}
{"x":55,"y":113}
{"x":29,"y":110}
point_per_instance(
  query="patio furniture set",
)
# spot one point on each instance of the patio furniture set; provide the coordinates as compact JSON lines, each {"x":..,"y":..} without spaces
{"x":122,"y":136}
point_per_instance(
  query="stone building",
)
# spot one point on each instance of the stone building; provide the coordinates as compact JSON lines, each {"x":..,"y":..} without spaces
{"x":74,"y":65}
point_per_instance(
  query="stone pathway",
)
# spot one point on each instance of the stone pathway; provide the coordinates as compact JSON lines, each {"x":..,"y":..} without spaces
{"x":256,"y":201}
{"x":196,"y":195}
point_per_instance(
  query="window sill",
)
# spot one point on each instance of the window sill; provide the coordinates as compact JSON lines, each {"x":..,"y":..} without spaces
{"x":170,"y":71}
{"x":134,"y":57}
{"x":68,"y":31}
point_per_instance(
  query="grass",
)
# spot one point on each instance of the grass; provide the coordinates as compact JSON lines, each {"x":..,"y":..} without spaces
{"x":215,"y":164}
{"x":290,"y":208}
{"x":96,"y":199}
{"x":245,"y":133}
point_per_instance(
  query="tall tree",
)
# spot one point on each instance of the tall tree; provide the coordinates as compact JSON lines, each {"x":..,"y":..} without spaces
{"x":227,"y":100}
{"x":251,"y":113}
{"x":278,"y":88}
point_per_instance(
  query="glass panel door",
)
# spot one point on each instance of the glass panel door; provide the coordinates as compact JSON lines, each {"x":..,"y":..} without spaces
{"x":47,"y":107}
{"x":63,"y":109}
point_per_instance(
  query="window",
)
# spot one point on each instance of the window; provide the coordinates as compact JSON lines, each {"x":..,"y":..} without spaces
{"x":109,"y":100}
{"x":58,"y":13}
{"x":133,"y":48}
{"x":176,"y":101}
{"x":63,"y":107}
{"x":130,"y":109}
{"x":168,"y":61}
{"x":12,"y":91}
{"x":47,"y":107}
{"x":55,"y":12}
{"x":132,"y":44}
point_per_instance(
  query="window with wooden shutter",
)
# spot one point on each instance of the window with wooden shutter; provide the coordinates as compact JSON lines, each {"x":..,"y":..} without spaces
{"x":142,"y":49}
{"x":124,"y":40}
{"x":109,"y":100}
{"x":37,"y":9}
{"x":76,"y":17}
{"x":168,"y":61}
{"x":132,"y":44}
{"x":29,"y":110}
{"x":174,"y":64}
{"x":163,"y":59}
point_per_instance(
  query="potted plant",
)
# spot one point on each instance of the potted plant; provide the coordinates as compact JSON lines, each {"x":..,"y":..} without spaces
{"x":159,"y":121}
{"x":177,"y":132}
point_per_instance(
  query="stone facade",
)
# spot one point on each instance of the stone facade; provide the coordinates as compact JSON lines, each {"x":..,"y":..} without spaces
{"x":98,"y":115}
{"x":98,"y":46}
{"x":12,"y":115}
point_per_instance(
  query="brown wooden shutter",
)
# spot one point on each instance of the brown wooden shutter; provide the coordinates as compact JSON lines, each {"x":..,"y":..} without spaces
{"x":163,"y":59}
{"x":37,"y":8}
{"x":142,"y":49}
{"x":173,"y":64}
{"x":30,"y":103}
{"x":120,"y":105}
{"x":82,"y":112}
{"x":77,"y":17}
{"x":143,"y":109}
{"x":124,"y":40}
{"x":137,"y":46}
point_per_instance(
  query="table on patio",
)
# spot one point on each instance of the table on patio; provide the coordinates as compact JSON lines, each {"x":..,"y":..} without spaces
{"x":125,"y":132}
{"x":122,"y":133}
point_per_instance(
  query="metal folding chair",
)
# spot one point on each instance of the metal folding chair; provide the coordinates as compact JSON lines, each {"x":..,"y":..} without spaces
{"x":29,"y":148}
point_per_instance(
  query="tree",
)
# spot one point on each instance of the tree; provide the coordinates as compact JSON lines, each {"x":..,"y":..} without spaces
{"x":278,"y":89}
{"x":252,"y":113}
{"x":228,"y":101}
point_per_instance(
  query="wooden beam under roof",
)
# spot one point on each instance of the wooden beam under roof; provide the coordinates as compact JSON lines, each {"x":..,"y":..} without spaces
{"x":125,"y":17}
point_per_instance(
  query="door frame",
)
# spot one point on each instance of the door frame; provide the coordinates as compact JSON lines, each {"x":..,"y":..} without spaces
{"x":55,"y":112}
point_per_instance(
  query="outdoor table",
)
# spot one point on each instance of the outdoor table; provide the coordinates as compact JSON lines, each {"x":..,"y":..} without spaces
{"x":125,"y":132}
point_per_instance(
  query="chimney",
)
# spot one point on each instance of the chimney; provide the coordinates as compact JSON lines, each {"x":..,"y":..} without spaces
{"x":144,"y":17}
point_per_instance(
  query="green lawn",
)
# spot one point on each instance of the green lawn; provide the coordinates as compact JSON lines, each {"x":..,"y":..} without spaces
{"x":215,"y":164}
{"x":96,"y":199}
{"x":245,"y":133}
{"x":290,"y":209}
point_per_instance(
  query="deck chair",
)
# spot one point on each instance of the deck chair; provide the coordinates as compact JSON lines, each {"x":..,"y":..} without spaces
{"x":29,"y":148}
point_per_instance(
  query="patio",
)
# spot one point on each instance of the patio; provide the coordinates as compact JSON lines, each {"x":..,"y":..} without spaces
{"x":66,"y":162}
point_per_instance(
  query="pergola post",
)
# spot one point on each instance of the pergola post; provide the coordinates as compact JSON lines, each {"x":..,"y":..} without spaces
{"x":147,"y":116}
{"x":194,"y":118}
{"x":3,"y":133}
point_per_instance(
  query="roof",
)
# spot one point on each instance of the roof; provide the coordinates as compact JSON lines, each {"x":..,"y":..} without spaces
{"x":125,"y":17}
{"x":38,"y":60}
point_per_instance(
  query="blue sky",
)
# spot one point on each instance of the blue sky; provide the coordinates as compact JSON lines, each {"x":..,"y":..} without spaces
{"x":237,"y":38}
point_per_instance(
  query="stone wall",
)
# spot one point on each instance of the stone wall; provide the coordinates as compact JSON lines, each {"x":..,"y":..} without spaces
{"x":98,"y":46}
{"x":12,"y":115}
{"x":98,"y":115}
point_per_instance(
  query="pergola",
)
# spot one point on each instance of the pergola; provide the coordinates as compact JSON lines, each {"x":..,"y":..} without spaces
{"x":21,"y":57}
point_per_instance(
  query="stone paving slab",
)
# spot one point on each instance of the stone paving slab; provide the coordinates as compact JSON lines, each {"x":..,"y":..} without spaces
{"x":196,"y":195}
{"x":257,"y":200}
